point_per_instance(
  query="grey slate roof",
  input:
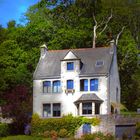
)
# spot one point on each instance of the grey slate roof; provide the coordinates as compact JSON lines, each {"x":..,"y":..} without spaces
{"x":88,"y":97}
{"x":50,"y":66}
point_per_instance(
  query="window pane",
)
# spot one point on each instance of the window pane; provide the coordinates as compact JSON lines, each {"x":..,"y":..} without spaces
{"x":94,"y":84}
{"x":70,"y":66}
{"x":46,"y":110}
{"x":87,"y":108}
{"x":69,"y":84}
{"x":56,"y":109}
{"x":46,"y":86}
{"x":56,"y":86}
{"x":84,"y":85}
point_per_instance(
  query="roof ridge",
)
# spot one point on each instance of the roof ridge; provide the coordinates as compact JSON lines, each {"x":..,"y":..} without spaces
{"x":76,"y":49}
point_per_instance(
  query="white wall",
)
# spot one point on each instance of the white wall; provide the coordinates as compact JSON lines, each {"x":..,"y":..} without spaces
{"x":114,"y":80}
{"x":67,"y":99}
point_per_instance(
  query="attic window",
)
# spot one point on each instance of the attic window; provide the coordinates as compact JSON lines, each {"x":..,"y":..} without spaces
{"x":99,"y":63}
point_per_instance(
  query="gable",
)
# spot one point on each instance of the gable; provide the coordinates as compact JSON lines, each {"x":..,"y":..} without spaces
{"x":70,"y":55}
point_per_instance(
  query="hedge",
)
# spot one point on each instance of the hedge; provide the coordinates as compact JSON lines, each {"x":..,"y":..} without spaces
{"x":69,"y":123}
{"x":4,"y":129}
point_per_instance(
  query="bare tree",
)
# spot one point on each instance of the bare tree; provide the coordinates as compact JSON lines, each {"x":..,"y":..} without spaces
{"x":97,"y":25}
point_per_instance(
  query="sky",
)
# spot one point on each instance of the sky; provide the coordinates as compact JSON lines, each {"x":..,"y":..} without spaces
{"x":13,"y":10}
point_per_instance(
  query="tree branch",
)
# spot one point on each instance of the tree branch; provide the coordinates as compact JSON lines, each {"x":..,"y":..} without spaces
{"x":106,"y":24}
{"x":118,"y":36}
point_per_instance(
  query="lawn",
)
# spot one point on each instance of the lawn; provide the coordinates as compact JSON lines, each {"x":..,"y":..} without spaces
{"x":23,"y":137}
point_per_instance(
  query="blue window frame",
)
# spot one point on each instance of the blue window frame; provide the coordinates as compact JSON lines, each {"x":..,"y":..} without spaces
{"x":56,"y":86}
{"x":84,"y":85}
{"x":70,"y":84}
{"x":46,"y":86}
{"x":70,"y":65}
{"x":94,"y":85}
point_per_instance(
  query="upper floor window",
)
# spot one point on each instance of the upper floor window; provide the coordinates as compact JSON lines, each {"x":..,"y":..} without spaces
{"x":87,"y":108}
{"x":94,"y":85}
{"x":56,"y":86}
{"x":46,"y":86}
{"x":70,"y":84}
{"x":70,"y":65}
{"x":56,"y":110}
{"x":84,"y":85}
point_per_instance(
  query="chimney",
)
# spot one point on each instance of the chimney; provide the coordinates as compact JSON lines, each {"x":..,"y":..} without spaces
{"x":112,"y":43}
{"x":43,"y":50}
{"x":112,"y":46}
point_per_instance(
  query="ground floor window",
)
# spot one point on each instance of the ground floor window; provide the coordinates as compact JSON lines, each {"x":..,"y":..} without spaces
{"x":46,"y":110}
{"x":97,"y":108}
{"x":87,"y":108}
{"x":56,"y":110}
{"x":51,"y":110}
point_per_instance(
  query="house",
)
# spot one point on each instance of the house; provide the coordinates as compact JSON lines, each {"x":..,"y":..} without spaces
{"x":81,"y":82}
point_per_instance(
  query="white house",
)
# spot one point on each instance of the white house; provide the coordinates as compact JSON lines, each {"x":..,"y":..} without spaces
{"x":81,"y":82}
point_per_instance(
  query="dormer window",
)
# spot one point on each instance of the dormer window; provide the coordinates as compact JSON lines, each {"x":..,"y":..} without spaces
{"x":99,"y":63}
{"x":70,"y":65}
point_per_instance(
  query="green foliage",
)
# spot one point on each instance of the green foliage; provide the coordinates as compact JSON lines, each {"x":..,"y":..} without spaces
{"x":4,"y":129}
{"x":63,"y":133}
{"x":137,"y":131}
{"x":69,"y":123}
{"x":98,"y":136}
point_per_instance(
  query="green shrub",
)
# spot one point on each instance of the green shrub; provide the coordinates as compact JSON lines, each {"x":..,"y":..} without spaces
{"x":63,"y":133}
{"x":53,"y":135}
{"x":137,"y":137}
{"x":46,"y":134}
{"x":70,"y":123}
{"x":97,"y":136}
{"x":4,"y":129}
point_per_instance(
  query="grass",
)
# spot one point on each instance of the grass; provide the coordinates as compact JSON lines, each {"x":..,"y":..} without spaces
{"x":23,"y":137}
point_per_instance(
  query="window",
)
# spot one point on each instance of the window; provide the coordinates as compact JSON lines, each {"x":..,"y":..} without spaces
{"x":56,"y":86}
{"x":69,"y":84}
{"x":94,"y":85}
{"x":87,"y":108}
{"x":99,"y":63}
{"x":84,"y":85}
{"x":46,"y":110}
{"x":56,"y":110}
{"x":70,"y":66}
{"x":46,"y":86}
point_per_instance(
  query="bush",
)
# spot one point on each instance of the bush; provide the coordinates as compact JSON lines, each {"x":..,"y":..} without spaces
{"x":97,"y":136}
{"x":4,"y":129}
{"x":46,"y":134}
{"x":63,"y":133}
{"x":137,"y":135}
{"x":69,"y":123}
{"x":53,"y":135}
